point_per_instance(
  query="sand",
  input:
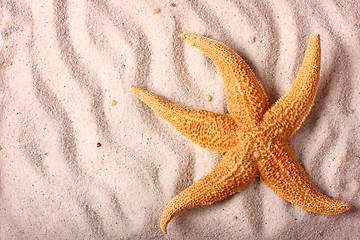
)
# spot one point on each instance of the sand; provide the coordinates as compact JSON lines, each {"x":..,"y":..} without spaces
{"x":83,"y":158}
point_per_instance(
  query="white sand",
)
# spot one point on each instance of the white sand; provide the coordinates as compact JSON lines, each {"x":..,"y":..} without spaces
{"x":62,"y":65}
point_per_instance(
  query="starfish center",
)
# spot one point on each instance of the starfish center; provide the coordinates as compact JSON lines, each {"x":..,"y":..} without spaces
{"x":256,"y":154}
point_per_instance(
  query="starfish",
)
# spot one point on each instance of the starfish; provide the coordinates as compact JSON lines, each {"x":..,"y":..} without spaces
{"x":252,"y":139}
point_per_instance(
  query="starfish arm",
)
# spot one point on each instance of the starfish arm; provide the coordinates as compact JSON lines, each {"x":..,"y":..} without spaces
{"x":246,"y":97}
{"x":283,"y":173}
{"x":216,"y":132}
{"x":231,"y":175}
{"x":288,"y":113}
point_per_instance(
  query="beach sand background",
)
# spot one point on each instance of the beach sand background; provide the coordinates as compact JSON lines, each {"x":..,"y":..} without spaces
{"x":83,"y":158}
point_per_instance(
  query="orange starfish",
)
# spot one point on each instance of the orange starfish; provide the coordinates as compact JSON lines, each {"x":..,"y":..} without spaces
{"x":253,"y":138}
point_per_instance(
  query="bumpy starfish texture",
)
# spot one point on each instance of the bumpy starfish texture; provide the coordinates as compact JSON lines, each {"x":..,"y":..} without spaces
{"x":252,"y":138}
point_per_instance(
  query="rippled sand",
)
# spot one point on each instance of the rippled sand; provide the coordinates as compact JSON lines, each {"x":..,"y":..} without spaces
{"x":82,"y":158}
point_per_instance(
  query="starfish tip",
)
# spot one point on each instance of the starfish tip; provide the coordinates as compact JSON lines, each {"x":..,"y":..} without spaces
{"x":134,"y":89}
{"x":315,"y":36}
{"x":190,"y":37}
{"x":346,"y":207}
{"x":314,"y":40}
{"x":163,"y":228}
{"x":341,"y":207}
{"x":183,"y":35}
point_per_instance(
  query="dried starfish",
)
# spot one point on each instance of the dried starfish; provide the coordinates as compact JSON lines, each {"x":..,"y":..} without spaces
{"x":253,"y":138}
